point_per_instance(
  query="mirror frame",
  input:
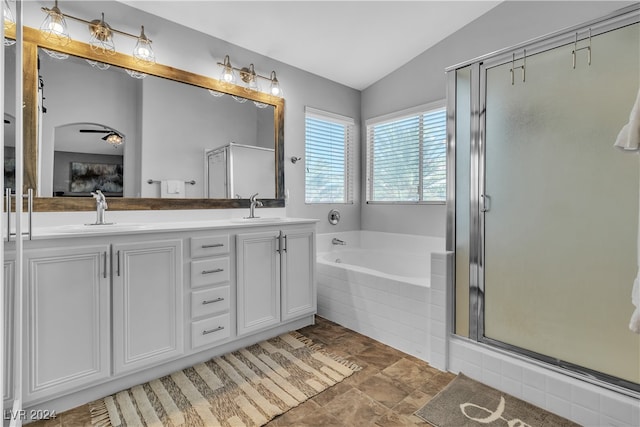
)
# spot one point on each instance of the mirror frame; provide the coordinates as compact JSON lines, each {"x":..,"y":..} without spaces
{"x":32,"y":40}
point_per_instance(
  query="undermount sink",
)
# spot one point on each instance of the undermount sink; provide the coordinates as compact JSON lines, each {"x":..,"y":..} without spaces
{"x":90,"y":228}
{"x":247,"y":220}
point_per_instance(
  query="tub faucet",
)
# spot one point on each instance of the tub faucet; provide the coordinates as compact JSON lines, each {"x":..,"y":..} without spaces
{"x":255,"y":203}
{"x":337,"y":241}
{"x":101,"y":206}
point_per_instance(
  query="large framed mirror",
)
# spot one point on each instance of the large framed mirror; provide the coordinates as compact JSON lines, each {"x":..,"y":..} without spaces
{"x":170,"y":140}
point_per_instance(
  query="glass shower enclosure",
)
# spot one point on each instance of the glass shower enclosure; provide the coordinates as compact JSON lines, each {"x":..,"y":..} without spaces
{"x":543,"y":214}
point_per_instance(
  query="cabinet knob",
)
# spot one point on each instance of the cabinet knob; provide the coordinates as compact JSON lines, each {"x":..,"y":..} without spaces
{"x":216,"y":270}
{"x":214,"y":245}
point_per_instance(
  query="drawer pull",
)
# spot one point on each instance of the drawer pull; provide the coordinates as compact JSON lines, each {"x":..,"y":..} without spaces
{"x":211,"y":301}
{"x":210,"y":331}
{"x":216,"y":270}
{"x":214,"y":245}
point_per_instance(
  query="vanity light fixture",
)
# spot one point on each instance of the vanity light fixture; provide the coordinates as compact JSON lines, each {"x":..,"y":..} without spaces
{"x":9,"y":22}
{"x":249,"y":78}
{"x":55,"y":29}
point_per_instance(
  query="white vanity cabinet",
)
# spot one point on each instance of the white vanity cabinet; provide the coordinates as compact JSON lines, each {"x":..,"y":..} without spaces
{"x":275,"y":277}
{"x":105,"y":311}
{"x":97,"y":311}
{"x":147,"y":303}
{"x":67,"y":306}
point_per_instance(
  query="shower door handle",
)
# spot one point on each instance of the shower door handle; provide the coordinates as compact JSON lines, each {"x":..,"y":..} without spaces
{"x":486,"y":203}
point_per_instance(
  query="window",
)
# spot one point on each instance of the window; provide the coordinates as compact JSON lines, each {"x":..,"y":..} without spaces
{"x":328,"y":150}
{"x":407,"y":156}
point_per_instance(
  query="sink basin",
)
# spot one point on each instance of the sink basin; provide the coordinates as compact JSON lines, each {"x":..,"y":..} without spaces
{"x":92,"y":228}
{"x":257,"y":220}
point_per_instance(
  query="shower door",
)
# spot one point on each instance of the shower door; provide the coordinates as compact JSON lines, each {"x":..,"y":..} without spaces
{"x":559,"y":205}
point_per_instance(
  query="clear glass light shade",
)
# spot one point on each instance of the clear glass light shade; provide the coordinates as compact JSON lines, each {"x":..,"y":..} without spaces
{"x":239,"y":99}
{"x":55,"y":55}
{"x":54,"y":27}
{"x":274,"y":87}
{"x":99,"y":65}
{"x":216,"y":93}
{"x":227,"y":75}
{"x":136,"y":74}
{"x":143,"y":53}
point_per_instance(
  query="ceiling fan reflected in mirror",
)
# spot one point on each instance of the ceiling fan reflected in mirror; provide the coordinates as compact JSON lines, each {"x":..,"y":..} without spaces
{"x":112,"y":137}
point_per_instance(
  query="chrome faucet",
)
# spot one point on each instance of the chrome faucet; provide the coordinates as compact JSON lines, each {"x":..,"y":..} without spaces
{"x":101,"y":206}
{"x":255,"y":203}
{"x":337,"y":241}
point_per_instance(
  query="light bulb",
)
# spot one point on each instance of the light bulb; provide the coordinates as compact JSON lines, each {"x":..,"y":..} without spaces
{"x":275,"y":88}
{"x":143,"y":53}
{"x":228,"y":76}
{"x":54,"y":26}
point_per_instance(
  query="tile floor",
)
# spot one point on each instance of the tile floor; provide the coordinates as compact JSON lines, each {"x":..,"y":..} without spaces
{"x":387,"y":391}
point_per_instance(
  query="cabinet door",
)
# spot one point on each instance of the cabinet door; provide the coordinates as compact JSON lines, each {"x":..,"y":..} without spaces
{"x":67,"y":319}
{"x":8,"y":281}
{"x":298,"y":274}
{"x":147,"y":303}
{"x":258,"y":281}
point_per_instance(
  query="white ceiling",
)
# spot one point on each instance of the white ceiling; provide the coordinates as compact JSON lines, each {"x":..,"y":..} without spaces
{"x":355,"y":43}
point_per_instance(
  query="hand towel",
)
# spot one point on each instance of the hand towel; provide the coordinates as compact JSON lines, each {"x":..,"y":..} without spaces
{"x":629,"y":136}
{"x":172,"y":189}
{"x":629,"y":140}
{"x":634,"y":324}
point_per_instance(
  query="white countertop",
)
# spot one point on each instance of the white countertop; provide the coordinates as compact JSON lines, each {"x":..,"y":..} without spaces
{"x":115,"y":228}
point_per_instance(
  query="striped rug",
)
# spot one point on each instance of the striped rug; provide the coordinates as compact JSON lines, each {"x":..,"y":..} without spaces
{"x":248,"y":387}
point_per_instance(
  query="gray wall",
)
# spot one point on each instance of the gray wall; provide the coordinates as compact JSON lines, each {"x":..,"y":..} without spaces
{"x":183,"y":48}
{"x":422,"y":80}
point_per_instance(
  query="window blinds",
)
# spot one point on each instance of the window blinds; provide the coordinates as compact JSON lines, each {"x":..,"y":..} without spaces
{"x":406,"y":158}
{"x":328,"y":151}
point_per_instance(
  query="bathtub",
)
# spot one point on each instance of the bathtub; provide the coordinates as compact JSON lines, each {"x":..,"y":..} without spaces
{"x":378,"y":284}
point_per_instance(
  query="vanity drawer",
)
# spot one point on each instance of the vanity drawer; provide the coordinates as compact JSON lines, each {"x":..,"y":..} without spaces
{"x":210,"y":330}
{"x":209,"y":245}
{"x":209,"y":301}
{"x":209,"y":271}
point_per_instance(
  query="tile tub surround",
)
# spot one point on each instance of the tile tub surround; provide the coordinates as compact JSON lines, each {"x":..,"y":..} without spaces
{"x":387,"y":308}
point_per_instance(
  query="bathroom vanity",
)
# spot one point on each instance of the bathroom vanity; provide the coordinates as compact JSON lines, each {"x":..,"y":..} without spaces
{"x":108,"y":307}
